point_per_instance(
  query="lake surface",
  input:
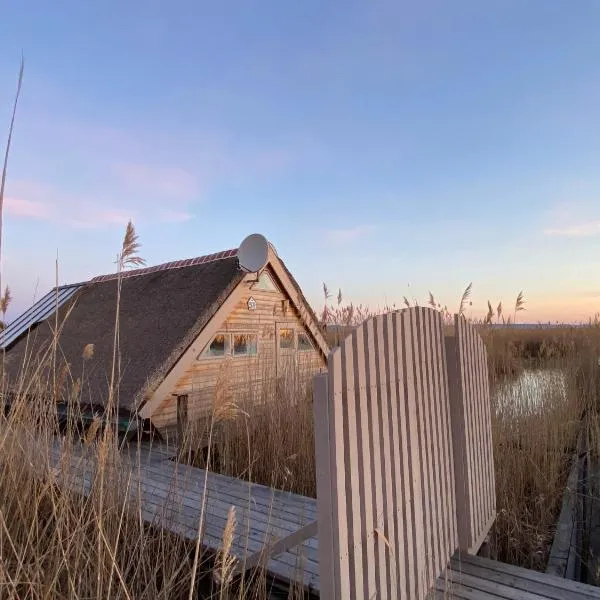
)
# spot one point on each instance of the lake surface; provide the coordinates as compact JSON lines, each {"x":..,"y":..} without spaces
{"x":531,"y":390}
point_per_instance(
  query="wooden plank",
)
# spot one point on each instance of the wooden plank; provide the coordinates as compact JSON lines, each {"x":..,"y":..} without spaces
{"x":494,"y":588}
{"x":452,"y":591}
{"x":290,"y":508}
{"x":417,"y":549}
{"x":324,"y":448}
{"x":447,"y":441}
{"x":484,"y":431}
{"x":396,"y":552}
{"x":467,"y":432}
{"x":374,"y":385}
{"x":402,"y":373}
{"x":353,"y":500}
{"x":390,"y":442}
{"x":536,"y":576}
{"x":427,"y":461}
{"x":339,"y":459}
{"x":515,"y":581}
{"x":432,"y":400}
{"x":280,"y":546}
{"x":364,"y":489}
{"x":420,"y":488}
{"x":439,"y":400}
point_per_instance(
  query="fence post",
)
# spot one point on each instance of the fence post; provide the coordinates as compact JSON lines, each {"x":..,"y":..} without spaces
{"x":459,"y":441}
{"x":472,"y":434}
{"x":324,"y":485}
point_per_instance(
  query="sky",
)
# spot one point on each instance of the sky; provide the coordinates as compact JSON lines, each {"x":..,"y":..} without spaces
{"x":386,"y":148}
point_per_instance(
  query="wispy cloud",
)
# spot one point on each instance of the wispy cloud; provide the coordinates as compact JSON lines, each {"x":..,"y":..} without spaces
{"x":590,"y":228}
{"x":110,"y":207}
{"x":590,"y":294}
{"x":172,"y":182}
{"x":31,"y":200}
{"x":175,"y":216}
{"x":97,"y":219}
{"x":345,"y":236}
{"x":29,"y":209}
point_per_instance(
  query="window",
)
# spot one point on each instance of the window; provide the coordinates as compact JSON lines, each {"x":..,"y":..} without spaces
{"x":231,"y":344}
{"x":218,"y":347}
{"x":304,"y":342}
{"x":265,"y":282}
{"x":286,"y":339}
{"x":244,"y":344}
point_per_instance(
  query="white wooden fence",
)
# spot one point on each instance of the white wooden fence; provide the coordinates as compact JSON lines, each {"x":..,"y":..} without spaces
{"x":385,"y":450}
{"x":471,"y":434}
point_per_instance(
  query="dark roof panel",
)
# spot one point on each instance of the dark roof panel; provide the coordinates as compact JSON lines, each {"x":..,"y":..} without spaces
{"x":40,"y":311}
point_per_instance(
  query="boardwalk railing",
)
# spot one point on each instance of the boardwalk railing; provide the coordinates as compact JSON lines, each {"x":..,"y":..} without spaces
{"x":392,"y":508}
{"x":471,"y":434}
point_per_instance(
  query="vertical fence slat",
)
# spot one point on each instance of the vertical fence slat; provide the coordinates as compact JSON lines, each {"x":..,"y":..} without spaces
{"x":478,"y":375}
{"x":478,"y":424}
{"x":439,"y":401}
{"x":364,"y":463}
{"x":338,"y":425}
{"x":413,"y":397}
{"x":425,"y":461}
{"x":325,"y":455}
{"x":385,"y":376}
{"x":374,"y":398}
{"x":437,"y":498}
{"x":353,"y":500}
{"x":470,"y":432}
{"x":471,"y":427}
{"x":397,"y":443}
{"x":402,"y":373}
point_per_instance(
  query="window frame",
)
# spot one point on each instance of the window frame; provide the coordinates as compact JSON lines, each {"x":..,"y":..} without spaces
{"x":246,"y":354}
{"x":290,"y":327}
{"x":255,"y":285}
{"x":311,"y":346}
{"x":229,"y":345}
{"x":205,"y":356}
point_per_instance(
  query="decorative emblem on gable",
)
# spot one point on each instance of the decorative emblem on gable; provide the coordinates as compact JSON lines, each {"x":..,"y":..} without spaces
{"x":251,"y":303}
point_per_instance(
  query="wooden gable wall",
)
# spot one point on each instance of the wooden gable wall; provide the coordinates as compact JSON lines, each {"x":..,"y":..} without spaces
{"x":210,"y":381}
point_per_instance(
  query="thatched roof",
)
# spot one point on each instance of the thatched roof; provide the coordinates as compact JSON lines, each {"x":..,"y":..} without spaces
{"x":161,"y":311}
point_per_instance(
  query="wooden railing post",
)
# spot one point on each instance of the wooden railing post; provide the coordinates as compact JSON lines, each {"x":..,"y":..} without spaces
{"x":471,"y":434}
{"x":324,"y":486}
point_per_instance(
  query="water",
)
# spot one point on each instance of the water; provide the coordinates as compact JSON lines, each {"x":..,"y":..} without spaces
{"x":531,"y":390}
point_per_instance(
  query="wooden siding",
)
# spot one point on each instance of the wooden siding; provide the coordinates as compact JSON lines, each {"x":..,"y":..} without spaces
{"x":472,"y":434}
{"x":385,"y":485}
{"x":242,"y":379}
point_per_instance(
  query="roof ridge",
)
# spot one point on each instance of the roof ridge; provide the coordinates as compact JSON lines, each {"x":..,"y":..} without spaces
{"x":176,"y":264}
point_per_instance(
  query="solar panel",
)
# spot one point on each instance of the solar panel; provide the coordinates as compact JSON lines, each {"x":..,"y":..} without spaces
{"x":41,"y":310}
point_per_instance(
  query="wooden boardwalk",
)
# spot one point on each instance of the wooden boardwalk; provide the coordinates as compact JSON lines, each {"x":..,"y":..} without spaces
{"x":477,"y":578}
{"x":170,"y":495}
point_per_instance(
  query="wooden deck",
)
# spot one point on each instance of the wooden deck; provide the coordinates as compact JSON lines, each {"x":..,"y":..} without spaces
{"x":270,"y":521}
{"x":477,"y":578}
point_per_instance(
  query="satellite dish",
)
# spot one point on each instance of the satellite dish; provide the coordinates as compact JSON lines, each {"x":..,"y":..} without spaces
{"x":253,"y":253}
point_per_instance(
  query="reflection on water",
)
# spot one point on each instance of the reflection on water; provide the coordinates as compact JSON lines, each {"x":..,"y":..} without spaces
{"x":531,"y":390}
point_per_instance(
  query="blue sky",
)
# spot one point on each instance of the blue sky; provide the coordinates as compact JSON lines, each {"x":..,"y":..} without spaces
{"x":387,"y":148}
